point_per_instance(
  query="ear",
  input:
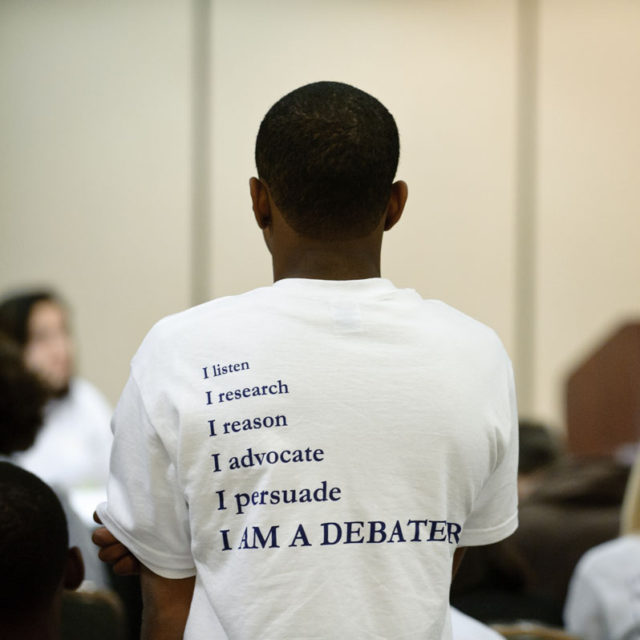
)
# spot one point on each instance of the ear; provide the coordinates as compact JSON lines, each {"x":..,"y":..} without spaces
{"x":397,"y":200}
{"x":260,"y":202}
{"x":73,"y":570}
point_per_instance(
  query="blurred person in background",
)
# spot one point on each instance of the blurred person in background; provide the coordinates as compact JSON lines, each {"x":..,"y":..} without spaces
{"x":539,"y":450}
{"x":568,"y":505}
{"x":72,"y":448}
{"x":23,"y":398}
{"x":572,"y":508}
{"x":604,"y":594}
{"x":492,"y":582}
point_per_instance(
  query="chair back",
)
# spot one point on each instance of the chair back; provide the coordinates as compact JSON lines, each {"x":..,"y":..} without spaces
{"x":98,"y":615}
{"x":532,"y":631}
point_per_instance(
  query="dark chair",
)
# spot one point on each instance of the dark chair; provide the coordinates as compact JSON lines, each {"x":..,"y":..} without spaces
{"x":530,"y":631}
{"x":98,"y":615}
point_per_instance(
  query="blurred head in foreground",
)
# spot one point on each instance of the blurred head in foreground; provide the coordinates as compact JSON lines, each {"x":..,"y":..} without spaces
{"x":538,"y":451}
{"x":36,"y":564}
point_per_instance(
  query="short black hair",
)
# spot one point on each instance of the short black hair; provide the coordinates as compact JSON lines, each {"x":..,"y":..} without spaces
{"x":34,"y":540}
{"x":538,"y":447}
{"x":329,"y":152}
{"x":15,"y":311}
{"x":22,"y":400}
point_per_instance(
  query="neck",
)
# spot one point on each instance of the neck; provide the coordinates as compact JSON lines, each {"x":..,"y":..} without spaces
{"x":321,"y":262}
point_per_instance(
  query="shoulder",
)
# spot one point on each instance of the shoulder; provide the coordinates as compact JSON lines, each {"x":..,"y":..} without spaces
{"x":83,"y":392}
{"x":465,"y":335}
{"x":601,"y":579}
{"x":613,"y":554}
{"x":83,"y":388}
{"x":608,"y":567}
{"x":186,"y":330}
{"x":178,"y":326}
{"x":461,"y":323}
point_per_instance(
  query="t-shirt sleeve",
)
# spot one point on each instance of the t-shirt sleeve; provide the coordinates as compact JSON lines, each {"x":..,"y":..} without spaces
{"x":495,"y":511}
{"x":146,"y":509}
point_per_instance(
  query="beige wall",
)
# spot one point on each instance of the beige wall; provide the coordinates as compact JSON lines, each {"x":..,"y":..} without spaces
{"x":96,"y":192}
{"x":94,"y":186}
{"x":588,"y":235}
{"x":447,"y":73}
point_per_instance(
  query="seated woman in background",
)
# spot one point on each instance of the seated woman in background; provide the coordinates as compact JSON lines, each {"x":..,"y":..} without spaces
{"x":604,"y":595}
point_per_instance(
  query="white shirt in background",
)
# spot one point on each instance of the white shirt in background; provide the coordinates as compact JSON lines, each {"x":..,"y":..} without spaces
{"x":603,"y":602}
{"x":72,"y":449}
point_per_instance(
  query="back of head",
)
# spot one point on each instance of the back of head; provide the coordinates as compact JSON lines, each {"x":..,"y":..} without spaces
{"x":329,"y":153}
{"x":538,"y":448}
{"x":33,"y":543}
{"x":22,"y":399}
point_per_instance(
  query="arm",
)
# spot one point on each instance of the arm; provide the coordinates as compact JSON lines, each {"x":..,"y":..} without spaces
{"x":143,"y":491}
{"x":457,"y":559}
{"x":165,"y":604}
{"x":113,"y":552}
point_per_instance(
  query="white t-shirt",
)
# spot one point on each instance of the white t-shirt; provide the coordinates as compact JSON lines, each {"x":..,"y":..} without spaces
{"x":603,"y":602}
{"x":72,"y":449}
{"x":314,"y":452}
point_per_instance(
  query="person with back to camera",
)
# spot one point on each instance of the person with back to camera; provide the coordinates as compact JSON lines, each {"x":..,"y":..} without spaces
{"x":72,"y":448}
{"x":308,"y":459}
{"x":603,"y":602}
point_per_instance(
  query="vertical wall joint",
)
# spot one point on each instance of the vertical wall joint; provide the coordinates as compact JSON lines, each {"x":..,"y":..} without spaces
{"x":526,"y":205}
{"x":200,"y":156}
